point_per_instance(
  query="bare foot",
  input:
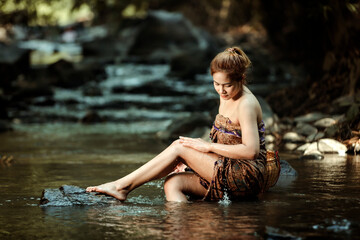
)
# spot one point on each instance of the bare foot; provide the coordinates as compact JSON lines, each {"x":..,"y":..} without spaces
{"x":110,"y":189}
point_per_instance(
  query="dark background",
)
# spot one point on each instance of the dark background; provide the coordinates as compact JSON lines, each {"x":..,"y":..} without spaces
{"x":319,"y":40}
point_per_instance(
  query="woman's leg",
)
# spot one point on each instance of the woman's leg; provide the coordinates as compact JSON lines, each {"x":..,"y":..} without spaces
{"x":178,"y":185}
{"x":158,"y":167}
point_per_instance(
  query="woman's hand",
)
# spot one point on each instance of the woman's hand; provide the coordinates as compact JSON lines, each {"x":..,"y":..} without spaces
{"x":196,"y":143}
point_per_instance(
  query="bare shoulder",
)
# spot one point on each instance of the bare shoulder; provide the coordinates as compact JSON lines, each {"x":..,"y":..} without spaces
{"x":248,"y":101}
{"x":250,"y":105}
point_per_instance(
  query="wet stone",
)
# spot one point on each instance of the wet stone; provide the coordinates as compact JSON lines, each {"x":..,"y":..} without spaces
{"x":287,"y":169}
{"x":73,"y":196}
{"x":293,"y":137}
{"x":310,"y":117}
{"x":325,"y":122}
{"x":305,"y":129}
{"x":312,"y":155}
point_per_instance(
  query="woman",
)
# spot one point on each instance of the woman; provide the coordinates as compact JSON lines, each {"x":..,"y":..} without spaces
{"x":235,"y":161}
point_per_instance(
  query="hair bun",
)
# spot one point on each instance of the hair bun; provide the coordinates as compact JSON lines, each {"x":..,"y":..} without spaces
{"x":232,"y":50}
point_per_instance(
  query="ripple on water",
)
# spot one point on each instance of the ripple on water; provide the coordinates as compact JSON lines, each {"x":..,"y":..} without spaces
{"x":334,"y":225}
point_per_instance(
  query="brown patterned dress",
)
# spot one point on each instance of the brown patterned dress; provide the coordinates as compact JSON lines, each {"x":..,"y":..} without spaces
{"x":239,"y":178}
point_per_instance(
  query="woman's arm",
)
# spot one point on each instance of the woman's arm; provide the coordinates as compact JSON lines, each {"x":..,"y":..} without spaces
{"x":250,"y":147}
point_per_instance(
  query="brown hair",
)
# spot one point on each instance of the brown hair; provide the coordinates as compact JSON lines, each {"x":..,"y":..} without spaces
{"x":234,"y":62}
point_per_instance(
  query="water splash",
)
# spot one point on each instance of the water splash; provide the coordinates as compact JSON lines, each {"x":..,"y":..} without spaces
{"x":334,"y":225}
{"x":225,"y":201}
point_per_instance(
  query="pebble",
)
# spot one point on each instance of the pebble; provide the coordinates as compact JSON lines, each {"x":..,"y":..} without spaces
{"x":269,"y":139}
{"x":290,"y":146}
{"x":325,"y":122}
{"x":310,"y":117}
{"x":293,"y":137}
{"x":305,"y":129}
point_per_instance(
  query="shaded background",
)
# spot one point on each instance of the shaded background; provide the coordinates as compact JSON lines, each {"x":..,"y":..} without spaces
{"x":305,"y":53}
{"x":93,"y":89}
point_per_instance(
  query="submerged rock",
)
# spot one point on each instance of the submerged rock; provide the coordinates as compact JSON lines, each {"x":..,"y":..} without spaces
{"x":287,"y":175}
{"x":72,"y":196}
{"x":287,"y":169}
{"x":276,"y":233}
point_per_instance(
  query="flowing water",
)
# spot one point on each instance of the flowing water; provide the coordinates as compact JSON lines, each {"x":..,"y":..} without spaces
{"x":322,"y":202}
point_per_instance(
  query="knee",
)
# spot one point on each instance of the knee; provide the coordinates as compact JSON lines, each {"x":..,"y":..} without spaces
{"x":176,"y":143}
{"x":177,"y":147}
{"x":172,"y":183}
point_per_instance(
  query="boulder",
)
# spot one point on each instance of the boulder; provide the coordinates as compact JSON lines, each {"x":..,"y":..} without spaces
{"x":163,"y":35}
{"x":66,"y":75}
{"x":269,"y":139}
{"x":324,"y":123}
{"x":305,"y":129}
{"x":303,"y":147}
{"x":310,"y":117}
{"x":287,"y":174}
{"x":328,"y":145}
{"x":287,"y":169}
{"x":315,"y":136}
{"x":188,"y":64}
{"x":103,"y":49}
{"x":312,"y":155}
{"x":73,"y":196}
{"x":270,"y":119}
{"x":293,"y":137}
{"x":290,"y":146}
{"x":13,"y":62}
{"x":316,"y":150}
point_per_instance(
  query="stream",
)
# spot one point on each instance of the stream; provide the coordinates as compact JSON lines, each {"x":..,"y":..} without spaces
{"x":322,"y":202}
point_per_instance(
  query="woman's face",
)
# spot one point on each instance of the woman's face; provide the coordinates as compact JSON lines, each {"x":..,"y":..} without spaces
{"x":226,"y":88}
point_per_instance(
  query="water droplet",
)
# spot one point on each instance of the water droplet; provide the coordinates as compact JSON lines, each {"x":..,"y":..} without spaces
{"x":225,"y":200}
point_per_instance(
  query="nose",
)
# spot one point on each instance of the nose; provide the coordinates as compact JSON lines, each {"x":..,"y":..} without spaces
{"x":222,"y":90}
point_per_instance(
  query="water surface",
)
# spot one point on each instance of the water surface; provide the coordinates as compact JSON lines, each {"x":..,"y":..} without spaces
{"x":322,"y":202}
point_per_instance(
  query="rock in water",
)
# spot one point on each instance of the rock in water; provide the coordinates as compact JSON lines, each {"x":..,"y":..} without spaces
{"x":287,"y":174}
{"x":287,"y":169}
{"x":73,"y":196}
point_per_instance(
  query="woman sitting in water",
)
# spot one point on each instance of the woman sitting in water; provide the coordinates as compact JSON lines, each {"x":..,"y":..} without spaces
{"x":235,"y":161}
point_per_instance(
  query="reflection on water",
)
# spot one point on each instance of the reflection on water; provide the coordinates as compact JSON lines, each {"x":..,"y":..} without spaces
{"x":322,"y":202}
